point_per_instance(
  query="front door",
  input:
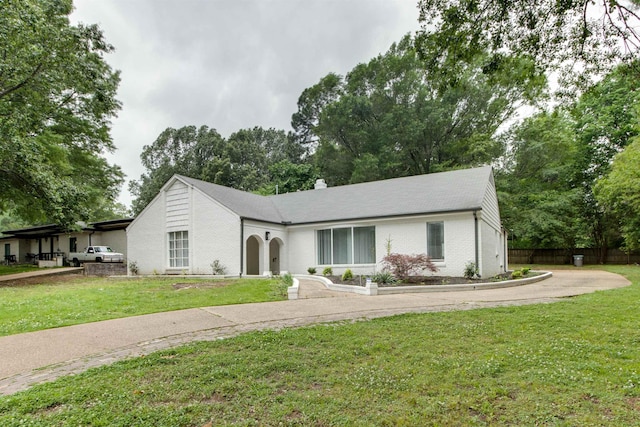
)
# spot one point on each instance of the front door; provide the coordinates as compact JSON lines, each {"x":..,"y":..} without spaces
{"x":274,"y":257}
{"x":253,"y":256}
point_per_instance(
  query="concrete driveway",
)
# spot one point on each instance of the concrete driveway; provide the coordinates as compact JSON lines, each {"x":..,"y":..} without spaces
{"x":37,"y":357}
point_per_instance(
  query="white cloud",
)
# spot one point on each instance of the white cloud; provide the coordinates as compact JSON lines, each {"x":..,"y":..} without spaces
{"x":230,"y":64}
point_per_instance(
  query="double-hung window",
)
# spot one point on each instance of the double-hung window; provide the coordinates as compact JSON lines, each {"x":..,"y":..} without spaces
{"x":347,"y":245}
{"x":435,"y":240}
{"x":178,"y":249}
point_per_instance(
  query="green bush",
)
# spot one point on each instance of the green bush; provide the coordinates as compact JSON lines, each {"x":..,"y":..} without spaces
{"x":516,"y":274}
{"x":470,"y":270}
{"x":133,"y":267}
{"x":287,"y":279}
{"x":525,"y":270}
{"x":217,"y":268}
{"x":311,"y":270}
{"x":347,"y":275}
{"x":328,"y":271}
{"x":383,"y":278}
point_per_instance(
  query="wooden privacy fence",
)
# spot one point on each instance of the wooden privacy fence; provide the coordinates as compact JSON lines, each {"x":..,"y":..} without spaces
{"x":564,"y":256}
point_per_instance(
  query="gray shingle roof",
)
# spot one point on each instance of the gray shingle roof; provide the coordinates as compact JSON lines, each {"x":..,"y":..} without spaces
{"x":460,"y":190}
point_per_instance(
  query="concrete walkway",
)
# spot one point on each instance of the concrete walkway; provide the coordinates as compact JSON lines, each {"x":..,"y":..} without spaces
{"x":36,"y":357}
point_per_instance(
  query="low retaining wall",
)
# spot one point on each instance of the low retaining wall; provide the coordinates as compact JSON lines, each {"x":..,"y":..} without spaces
{"x":373,"y":289}
{"x":105,"y":269}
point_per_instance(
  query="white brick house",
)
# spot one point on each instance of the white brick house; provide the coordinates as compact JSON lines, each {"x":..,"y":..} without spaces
{"x":451,"y":216}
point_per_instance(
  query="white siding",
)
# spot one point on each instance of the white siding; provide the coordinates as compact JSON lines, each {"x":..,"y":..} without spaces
{"x":490,"y":208}
{"x":214,"y":234}
{"x":492,"y":252}
{"x":146,"y":238}
{"x":177,"y":208}
{"x":407,"y":236}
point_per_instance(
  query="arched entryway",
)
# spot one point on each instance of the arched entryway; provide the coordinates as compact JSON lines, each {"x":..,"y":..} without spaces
{"x":274,"y":256}
{"x":253,"y":256}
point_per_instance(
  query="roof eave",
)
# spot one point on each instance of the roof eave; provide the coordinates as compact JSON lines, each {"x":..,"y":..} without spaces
{"x":369,"y":218}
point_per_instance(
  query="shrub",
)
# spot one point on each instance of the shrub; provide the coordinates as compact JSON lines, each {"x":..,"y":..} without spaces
{"x":311,"y":270}
{"x":218,"y":268}
{"x":347,"y":275}
{"x":516,"y":274}
{"x":525,"y":270}
{"x":133,"y":267}
{"x":328,"y":271}
{"x":287,"y":279}
{"x":470,"y":270}
{"x":403,"y":266}
{"x":383,"y":278}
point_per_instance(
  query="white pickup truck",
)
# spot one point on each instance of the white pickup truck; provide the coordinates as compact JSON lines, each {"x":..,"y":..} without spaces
{"x":95,"y":254}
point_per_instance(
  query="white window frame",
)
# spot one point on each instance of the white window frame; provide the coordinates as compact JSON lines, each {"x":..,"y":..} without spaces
{"x":352,"y":255}
{"x":442,"y":245}
{"x":178,"y":247}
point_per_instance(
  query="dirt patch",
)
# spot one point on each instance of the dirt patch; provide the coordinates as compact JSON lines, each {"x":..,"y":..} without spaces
{"x":56,"y":279}
{"x":200,"y":285}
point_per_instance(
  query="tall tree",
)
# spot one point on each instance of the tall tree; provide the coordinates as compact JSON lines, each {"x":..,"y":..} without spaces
{"x":539,"y":202}
{"x":556,"y":159}
{"x":57,"y":97}
{"x":189,"y":151}
{"x":581,"y":39}
{"x":605,"y":123}
{"x":619,"y":193}
{"x":395,"y":117}
{"x":246,"y":160}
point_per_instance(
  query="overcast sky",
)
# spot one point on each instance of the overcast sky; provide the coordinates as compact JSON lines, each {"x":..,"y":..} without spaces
{"x":230,"y":64}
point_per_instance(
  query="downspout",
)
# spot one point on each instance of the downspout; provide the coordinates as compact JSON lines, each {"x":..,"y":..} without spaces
{"x":475,"y":223}
{"x":241,"y":244}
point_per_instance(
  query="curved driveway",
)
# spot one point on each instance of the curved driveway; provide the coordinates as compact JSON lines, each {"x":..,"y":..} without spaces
{"x":35,"y":357}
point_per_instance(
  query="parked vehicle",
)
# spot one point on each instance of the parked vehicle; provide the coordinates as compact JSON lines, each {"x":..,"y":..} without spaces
{"x":95,"y":254}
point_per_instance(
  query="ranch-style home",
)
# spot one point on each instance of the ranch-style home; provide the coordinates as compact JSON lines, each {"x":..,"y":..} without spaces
{"x":50,"y":245}
{"x":451,"y":216}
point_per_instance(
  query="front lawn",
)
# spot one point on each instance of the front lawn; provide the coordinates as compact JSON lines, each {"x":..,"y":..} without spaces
{"x":19,"y":268}
{"x":571,"y":363}
{"x":64,"y":302}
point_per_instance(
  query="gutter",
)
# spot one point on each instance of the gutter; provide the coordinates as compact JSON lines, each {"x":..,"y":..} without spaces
{"x":366,"y":218}
{"x":241,"y":244}
{"x":475,"y":224}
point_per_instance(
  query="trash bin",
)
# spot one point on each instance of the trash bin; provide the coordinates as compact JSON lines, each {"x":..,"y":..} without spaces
{"x":577,"y":260}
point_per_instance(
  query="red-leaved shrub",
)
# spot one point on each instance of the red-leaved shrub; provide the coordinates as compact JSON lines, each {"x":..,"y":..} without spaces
{"x":403,"y":266}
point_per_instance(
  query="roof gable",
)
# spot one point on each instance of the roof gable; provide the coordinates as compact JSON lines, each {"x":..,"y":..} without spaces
{"x":244,"y":204}
{"x":459,"y":190}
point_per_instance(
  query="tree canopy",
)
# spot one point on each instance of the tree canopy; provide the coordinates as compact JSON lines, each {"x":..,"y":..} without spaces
{"x":580,"y":39}
{"x":254,"y":159}
{"x":57,"y":97}
{"x":395,"y":117}
{"x":557,"y":159}
{"x":619,"y":193}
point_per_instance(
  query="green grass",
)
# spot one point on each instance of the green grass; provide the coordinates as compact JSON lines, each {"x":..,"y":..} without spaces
{"x":571,"y":363}
{"x":82,"y":300}
{"x":13,"y":269}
